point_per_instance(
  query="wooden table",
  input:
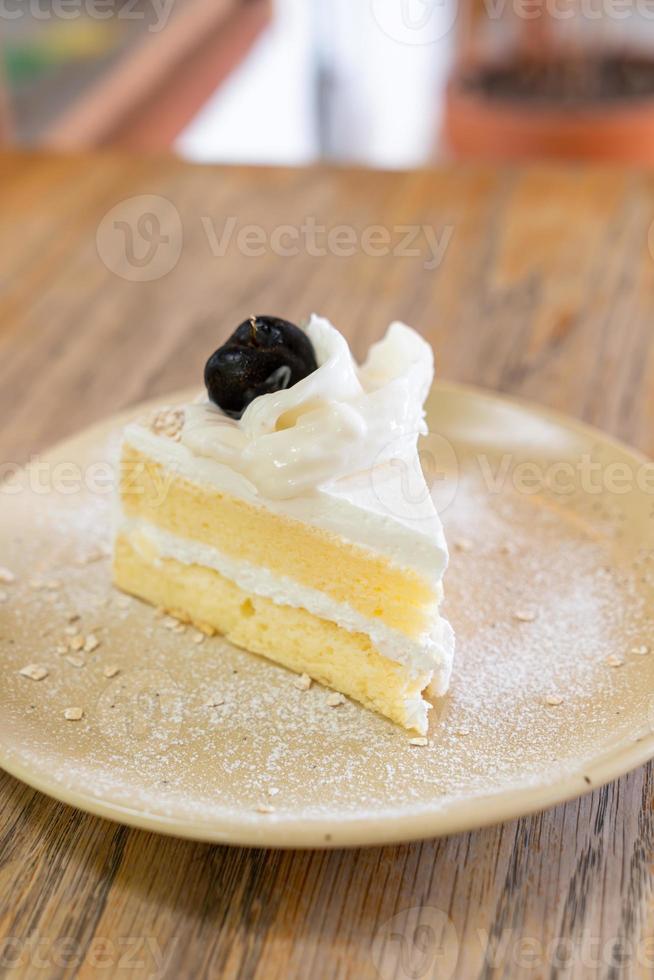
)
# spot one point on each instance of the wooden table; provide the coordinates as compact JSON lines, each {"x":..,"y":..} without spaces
{"x":545,"y":288}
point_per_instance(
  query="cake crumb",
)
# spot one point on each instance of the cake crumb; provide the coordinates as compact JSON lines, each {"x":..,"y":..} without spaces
{"x":265,"y":808}
{"x":92,"y":557}
{"x":73,"y":714}
{"x":421,"y":741}
{"x":198,"y":638}
{"x":615,"y":661}
{"x":335,"y":700}
{"x":111,"y":671}
{"x":77,"y":642}
{"x":553,"y":700}
{"x":7,"y":577}
{"x":302,"y":683}
{"x":76,"y":661}
{"x":525,"y":615}
{"x":35,"y":672}
{"x":215,"y":702}
{"x":273,"y":791}
{"x":167,"y":422}
{"x":91,"y":643}
{"x":641,"y":651}
{"x":462,"y":732}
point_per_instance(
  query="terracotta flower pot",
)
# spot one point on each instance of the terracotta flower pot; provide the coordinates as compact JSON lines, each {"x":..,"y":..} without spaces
{"x":488,"y":121}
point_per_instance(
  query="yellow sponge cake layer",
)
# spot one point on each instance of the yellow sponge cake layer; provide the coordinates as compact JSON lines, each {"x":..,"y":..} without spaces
{"x":345,"y":661}
{"x":312,"y":556}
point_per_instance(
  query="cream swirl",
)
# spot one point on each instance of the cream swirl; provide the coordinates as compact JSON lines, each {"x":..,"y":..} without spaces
{"x":339,"y":420}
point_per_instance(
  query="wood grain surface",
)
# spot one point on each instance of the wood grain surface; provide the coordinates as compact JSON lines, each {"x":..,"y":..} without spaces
{"x":544,"y":287}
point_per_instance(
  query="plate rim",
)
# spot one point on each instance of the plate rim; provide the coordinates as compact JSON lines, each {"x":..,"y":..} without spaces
{"x":279,"y":832}
{"x":458,"y":816}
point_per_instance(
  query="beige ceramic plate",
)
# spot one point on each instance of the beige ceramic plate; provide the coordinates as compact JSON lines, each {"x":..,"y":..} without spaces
{"x":550,"y":585}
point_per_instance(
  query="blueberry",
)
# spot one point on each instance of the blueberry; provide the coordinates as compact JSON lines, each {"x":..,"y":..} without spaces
{"x":264,"y":354}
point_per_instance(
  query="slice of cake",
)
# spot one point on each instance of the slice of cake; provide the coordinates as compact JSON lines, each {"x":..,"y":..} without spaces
{"x":288,"y":511}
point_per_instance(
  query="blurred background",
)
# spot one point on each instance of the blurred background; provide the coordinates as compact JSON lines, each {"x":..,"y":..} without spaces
{"x":384,"y":83}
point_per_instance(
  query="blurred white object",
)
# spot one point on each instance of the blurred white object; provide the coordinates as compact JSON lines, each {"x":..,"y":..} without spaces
{"x":348,"y":80}
{"x":264,"y":112}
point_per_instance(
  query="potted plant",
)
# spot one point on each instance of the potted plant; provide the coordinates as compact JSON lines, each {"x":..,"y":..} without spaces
{"x":555,"y":92}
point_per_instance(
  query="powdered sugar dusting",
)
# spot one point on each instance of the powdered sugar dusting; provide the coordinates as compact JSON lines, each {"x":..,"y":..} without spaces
{"x":204,"y":732}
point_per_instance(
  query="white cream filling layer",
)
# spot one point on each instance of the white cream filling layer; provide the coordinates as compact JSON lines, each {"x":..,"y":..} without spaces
{"x":433,"y":651}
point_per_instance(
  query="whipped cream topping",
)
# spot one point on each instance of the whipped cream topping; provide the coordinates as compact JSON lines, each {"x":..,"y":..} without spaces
{"x":341,"y":419}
